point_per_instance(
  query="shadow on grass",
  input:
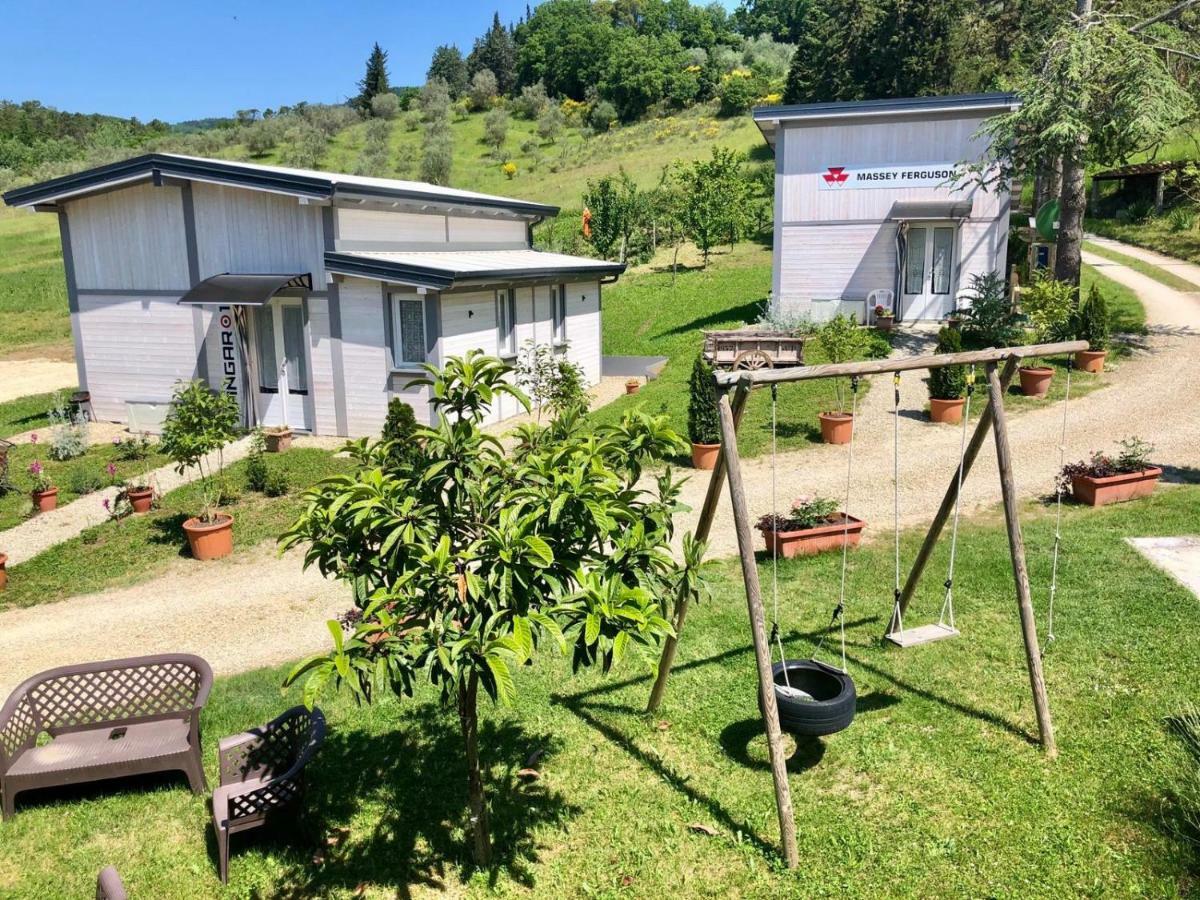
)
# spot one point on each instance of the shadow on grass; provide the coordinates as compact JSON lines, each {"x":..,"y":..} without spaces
{"x":418,"y":780}
{"x":167,"y":530}
{"x":747,"y":312}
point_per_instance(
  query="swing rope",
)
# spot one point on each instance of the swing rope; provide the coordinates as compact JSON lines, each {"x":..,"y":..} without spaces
{"x":1058,"y":495}
{"x":839,"y":610}
{"x":896,"y":614}
{"x":775,"y":635}
{"x":948,"y":602}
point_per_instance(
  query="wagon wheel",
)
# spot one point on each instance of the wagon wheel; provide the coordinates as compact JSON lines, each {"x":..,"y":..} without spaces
{"x":753,"y":359}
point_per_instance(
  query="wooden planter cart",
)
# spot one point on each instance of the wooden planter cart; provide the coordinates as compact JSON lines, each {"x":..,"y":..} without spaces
{"x":729,"y":466}
{"x":753,"y":349}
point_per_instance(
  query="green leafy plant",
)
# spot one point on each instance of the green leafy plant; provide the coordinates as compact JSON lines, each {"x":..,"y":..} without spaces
{"x":134,"y":448}
{"x":842,"y":340}
{"x":704,"y":426}
{"x":948,"y":382}
{"x":469,"y":562}
{"x":256,"y":461}
{"x":41,"y":481}
{"x":1133,"y":457}
{"x":1051,"y":306}
{"x":990,"y":320}
{"x":201,"y":422}
{"x":68,"y":429}
{"x":276,"y":484}
{"x":1092,"y":320}
{"x":807,"y":511}
{"x":550,"y":379}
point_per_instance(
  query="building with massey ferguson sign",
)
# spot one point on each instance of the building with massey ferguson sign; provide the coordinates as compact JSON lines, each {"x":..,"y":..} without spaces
{"x":870,"y":205}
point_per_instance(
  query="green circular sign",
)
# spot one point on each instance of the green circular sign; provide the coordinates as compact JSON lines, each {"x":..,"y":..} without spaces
{"x":1046,"y":219}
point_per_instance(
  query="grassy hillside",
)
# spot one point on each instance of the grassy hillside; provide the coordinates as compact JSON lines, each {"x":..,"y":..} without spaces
{"x":33,"y":293}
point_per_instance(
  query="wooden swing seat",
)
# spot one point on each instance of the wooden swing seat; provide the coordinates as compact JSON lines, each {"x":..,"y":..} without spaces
{"x":922,"y":634}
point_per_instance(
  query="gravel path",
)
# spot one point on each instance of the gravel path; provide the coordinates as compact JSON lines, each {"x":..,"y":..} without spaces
{"x":1182,"y":268}
{"x":22,"y":377}
{"x":1145,"y":396}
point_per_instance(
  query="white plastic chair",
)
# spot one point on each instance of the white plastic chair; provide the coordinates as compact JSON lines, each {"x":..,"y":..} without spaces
{"x":880,"y":297}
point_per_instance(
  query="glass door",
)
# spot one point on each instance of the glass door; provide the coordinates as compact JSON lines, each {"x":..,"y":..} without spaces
{"x":282,"y":364}
{"x":927,"y":288}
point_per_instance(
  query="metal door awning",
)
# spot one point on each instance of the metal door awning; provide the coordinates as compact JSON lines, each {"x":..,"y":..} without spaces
{"x":243,"y":289}
{"x":925,"y":210}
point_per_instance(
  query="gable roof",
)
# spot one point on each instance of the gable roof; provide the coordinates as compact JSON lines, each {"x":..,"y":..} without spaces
{"x":308,"y":183}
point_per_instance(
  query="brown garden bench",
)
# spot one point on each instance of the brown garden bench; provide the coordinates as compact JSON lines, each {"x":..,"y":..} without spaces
{"x":107,"y":719}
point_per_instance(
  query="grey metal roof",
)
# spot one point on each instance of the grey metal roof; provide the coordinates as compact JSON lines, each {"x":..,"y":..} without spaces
{"x":243,"y":289}
{"x":768,"y":117}
{"x":444,"y":269}
{"x":919,"y":210}
{"x":299,"y":182}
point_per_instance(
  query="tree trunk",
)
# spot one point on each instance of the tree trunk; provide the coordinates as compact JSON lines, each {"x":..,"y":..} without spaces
{"x":1070,"y":222}
{"x":468,"y":717}
{"x":675,"y":265}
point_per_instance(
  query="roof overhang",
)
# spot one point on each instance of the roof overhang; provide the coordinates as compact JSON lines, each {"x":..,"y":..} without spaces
{"x":243,"y":289}
{"x":769,"y":118}
{"x":927,"y":210}
{"x":309,"y":186}
{"x":447,"y":276}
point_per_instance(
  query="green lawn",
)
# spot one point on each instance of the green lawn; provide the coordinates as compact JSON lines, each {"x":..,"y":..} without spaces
{"x":73,"y":477}
{"x":140,"y":547}
{"x":1162,"y":276}
{"x":25,"y":414}
{"x":937,"y":789}
{"x":1154,"y":234}
{"x":1126,"y":310}
{"x":33,"y":290}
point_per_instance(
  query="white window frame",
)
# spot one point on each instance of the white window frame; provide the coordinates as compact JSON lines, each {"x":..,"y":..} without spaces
{"x":558,"y":313}
{"x":506,"y":322}
{"x":397,"y":338}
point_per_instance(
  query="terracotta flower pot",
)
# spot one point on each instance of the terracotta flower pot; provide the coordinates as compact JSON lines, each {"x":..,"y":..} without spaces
{"x":212,"y":540}
{"x":1090,"y":360}
{"x":631,"y":387}
{"x":141,"y":500}
{"x":836,"y":427}
{"x":704,"y":456}
{"x":3,"y":571}
{"x":278,"y":440}
{"x":44,"y":501}
{"x":947,"y":412}
{"x":885,"y":323}
{"x":809,"y":541}
{"x":1115,"y":488}
{"x":1035,"y":380}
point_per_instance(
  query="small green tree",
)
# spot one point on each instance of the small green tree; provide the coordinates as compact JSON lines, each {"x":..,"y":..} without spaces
{"x":201,"y":422}
{"x":1051,"y":307}
{"x":704,"y":425}
{"x":400,"y":446}
{"x":842,"y":341}
{"x":948,"y":382}
{"x":990,"y":320}
{"x":448,"y":64}
{"x":472,"y":560}
{"x":1094,"y":325}
{"x":495,"y":129}
{"x":482,"y":91}
{"x":374,"y":82}
{"x":620,"y":211}
{"x":550,"y":122}
{"x":714,"y":195}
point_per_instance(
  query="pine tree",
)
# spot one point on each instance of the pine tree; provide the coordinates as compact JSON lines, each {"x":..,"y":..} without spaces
{"x":448,"y":64}
{"x":496,"y":51}
{"x":375,"y":81}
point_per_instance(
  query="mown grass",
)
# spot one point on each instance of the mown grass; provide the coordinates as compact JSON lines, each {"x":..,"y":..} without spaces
{"x":25,"y":414}
{"x":1125,"y":310}
{"x":73,"y":477}
{"x":33,"y":290}
{"x":138,"y":548}
{"x":1162,"y":276}
{"x":1154,"y":233}
{"x":937,"y":789}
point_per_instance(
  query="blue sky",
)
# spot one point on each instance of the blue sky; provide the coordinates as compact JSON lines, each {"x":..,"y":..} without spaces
{"x":185,"y":59}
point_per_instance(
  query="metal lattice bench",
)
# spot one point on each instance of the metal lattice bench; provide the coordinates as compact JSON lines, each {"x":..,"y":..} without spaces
{"x":107,"y":719}
{"x":262,"y":773}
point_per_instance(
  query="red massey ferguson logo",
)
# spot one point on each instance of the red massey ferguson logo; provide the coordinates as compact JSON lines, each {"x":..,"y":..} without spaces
{"x":836,"y":175}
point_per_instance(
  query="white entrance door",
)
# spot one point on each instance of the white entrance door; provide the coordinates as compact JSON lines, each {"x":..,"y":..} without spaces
{"x":927,"y":285}
{"x":282,"y":393}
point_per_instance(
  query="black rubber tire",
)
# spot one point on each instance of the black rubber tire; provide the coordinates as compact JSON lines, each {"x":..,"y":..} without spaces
{"x":834,"y":699}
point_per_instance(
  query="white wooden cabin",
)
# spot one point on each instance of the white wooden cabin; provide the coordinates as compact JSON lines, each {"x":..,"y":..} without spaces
{"x":313,"y":297}
{"x":869,"y":200}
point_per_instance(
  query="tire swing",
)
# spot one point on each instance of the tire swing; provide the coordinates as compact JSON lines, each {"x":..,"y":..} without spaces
{"x":813,"y":698}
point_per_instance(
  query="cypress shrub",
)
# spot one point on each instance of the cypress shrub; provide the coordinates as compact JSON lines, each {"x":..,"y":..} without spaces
{"x":703,"y":423}
{"x":1094,"y":326}
{"x":948,"y":382}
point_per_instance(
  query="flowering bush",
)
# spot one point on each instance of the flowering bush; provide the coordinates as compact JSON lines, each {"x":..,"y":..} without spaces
{"x":509,"y":169}
{"x":1134,"y":457}
{"x":881,"y":310}
{"x":41,"y":481}
{"x":808,"y":511}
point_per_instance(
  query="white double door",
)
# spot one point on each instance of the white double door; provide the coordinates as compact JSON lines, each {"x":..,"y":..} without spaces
{"x":927,"y":282}
{"x":282,"y":390}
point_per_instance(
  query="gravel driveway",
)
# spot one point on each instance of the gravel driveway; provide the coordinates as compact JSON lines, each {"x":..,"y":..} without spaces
{"x":22,"y":377}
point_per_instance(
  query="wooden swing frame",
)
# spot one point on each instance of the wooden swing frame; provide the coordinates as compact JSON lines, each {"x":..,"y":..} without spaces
{"x":729,"y":467}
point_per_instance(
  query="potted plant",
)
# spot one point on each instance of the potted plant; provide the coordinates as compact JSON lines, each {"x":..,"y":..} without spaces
{"x":44,"y":494}
{"x":884,"y":318}
{"x":1093,"y":326}
{"x":948,"y":384}
{"x":632,"y":385}
{"x":201,"y":422}
{"x":277,"y":438}
{"x":704,"y":428}
{"x":814,"y":525}
{"x":1103,"y":479}
{"x":842,"y":341}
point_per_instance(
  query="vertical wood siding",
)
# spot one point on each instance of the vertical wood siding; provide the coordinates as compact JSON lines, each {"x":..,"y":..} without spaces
{"x":321,"y":374}
{"x":364,"y":356}
{"x":129,"y":239}
{"x":396,"y":226}
{"x":253,"y":231}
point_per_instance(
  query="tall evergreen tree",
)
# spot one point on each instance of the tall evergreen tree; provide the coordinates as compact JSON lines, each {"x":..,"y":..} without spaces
{"x":375,"y":81}
{"x":448,"y":64}
{"x":497,"y":51}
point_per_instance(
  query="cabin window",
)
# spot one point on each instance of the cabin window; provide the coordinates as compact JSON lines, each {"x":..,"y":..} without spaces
{"x":943,"y":248}
{"x":408,"y":329}
{"x":506,"y":321}
{"x":558,"y":305}
{"x":264,"y":332}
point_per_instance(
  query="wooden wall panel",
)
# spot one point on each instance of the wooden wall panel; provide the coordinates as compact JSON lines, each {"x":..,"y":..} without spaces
{"x":253,"y":231}
{"x":129,"y":239}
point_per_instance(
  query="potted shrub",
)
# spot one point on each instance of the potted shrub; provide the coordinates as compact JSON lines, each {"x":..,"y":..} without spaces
{"x":990,"y":320}
{"x":704,"y":428}
{"x":277,"y":438}
{"x":1035,"y":379}
{"x":44,"y":494}
{"x":948,"y":384}
{"x":1093,"y":326}
{"x":202,"y":422}
{"x":884,"y":318}
{"x":842,"y":341}
{"x":1103,"y":479}
{"x":632,"y":386}
{"x":814,"y":525}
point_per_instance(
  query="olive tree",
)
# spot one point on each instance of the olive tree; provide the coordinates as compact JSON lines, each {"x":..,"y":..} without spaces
{"x":473,"y":558}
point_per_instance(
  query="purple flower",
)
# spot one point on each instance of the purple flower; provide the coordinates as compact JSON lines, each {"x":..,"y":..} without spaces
{"x":107,"y":507}
{"x":111,"y":469}
{"x":33,"y":438}
{"x":35,"y":468}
